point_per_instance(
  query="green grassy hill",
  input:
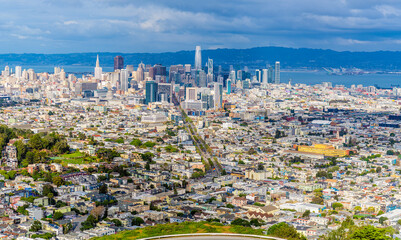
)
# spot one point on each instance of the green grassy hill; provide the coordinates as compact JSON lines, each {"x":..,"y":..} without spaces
{"x":181,"y":228}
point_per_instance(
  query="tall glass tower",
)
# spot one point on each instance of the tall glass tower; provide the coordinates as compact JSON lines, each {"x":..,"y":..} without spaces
{"x":198,"y":58}
{"x":277,"y":73}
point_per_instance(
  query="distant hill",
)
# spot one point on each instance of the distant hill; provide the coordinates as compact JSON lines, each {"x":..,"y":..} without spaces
{"x":252,"y":57}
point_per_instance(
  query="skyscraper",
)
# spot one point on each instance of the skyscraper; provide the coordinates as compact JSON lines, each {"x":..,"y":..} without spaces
{"x":124,"y":80}
{"x":118,"y":62}
{"x":228,"y":86}
{"x":198,"y":58}
{"x":151,"y":91}
{"x":210,"y":66}
{"x":18,"y":72}
{"x":218,"y":95}
{"x":98,"y":69}
{"x":265,"y":77}
{"x":140,"y":73}
{"x":270,"y":75}
{"x":277,"y":73}
{"x":258,"y":75}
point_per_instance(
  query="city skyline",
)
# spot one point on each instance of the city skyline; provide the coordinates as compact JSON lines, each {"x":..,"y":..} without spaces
{"x":157,"y":26}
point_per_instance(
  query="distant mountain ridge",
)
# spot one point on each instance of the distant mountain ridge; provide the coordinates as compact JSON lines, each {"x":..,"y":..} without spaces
{"x":256,"y":57}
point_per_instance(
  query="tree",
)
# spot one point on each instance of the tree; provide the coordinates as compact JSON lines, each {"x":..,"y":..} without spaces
{"x":336,"y":205}
{"x":58,"y":215}
{"x":58,"y":181}
{"x":382,"y":219}
{"x":48,"y":189}
{"x":371,"y":209}
{"x":357,"y":208}
{"x":117,"y":222}
{"x":241,"y":222}
{"x":283,"y":230}
{"x":306,"y":213}
{"x":61,"y":147}
{"x":136,"y":142}
{"x":371,"y":233}
{"x":36,"y":142}
{"x":103,"y":189}
{"x":36,"y":226}
{"x":137,"y":221}
{"x":21,"y":150}
{"x":98,"y":212}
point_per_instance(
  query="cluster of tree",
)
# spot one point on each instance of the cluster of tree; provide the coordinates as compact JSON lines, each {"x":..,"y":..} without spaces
{"x":283,"y":230}
{"x":106,"y":154}
{"x":349,"y":231}
{"x":117,"y":140}
{"x":171,"y":149}
{"x":198,"y":173}
{"x":97,"y":214}
{"x":39,"y":147}
{"x":318,"y":196}
{"x":138,"y":143}
{"x":242,"y":222}
{"x":279,"y":134}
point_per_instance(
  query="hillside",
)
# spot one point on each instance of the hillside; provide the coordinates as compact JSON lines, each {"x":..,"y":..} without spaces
{"x":181,"y":228}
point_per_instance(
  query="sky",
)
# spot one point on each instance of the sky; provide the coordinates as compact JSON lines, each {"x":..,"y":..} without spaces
{"x":66,"y":26}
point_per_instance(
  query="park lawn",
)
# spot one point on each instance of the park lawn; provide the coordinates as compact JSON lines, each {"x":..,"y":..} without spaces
{"x":74,"y":158}
{"x":180,"y":228}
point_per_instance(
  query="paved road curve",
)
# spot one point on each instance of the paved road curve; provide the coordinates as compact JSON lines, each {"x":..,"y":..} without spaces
{"x":212,"y":238}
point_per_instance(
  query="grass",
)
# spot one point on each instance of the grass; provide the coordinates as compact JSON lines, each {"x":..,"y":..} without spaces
{"x":74,"y":158}
{"x":180,"y":228}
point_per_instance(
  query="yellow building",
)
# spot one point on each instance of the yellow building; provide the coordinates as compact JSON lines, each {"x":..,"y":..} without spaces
{"x":324,"y":149}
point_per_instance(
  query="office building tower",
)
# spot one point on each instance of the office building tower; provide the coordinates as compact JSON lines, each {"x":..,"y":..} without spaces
{"x":56,"y":70}
{"x":239,"y":75}
{"x":270,"y":75}
{"x":118,"y":62}
{"x":277,"y":73}
{"x":210,"y":66}
{"x":191,"y":93}
{"x":258,"y":75}
{"x":140,"y":73}
{"x":18,"y":72}
{"x":31,"y":74}
{"x":201,"y":79}
{"x":151,"y":91}
{"x":98,"y":69}
{"x":198,"y":58}
{"x":158,"y":72}
{"x":124,"y":80}
{"x":130,"y":68}
{"x":229,"y":86}
{"x":265,"y":78}
{"x":232,"y":76}
{"x":218,"y":95}
{"x":187,"y":68}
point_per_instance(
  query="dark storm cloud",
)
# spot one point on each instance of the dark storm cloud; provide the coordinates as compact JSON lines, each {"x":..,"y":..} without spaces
{"x":160,"y":25}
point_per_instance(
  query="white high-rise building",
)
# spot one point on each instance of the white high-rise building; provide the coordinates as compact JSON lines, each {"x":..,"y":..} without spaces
{"x":218,"y":95}
{"x":198,"y":58}
{"x":18,"y":72}
{"x":124,"y":80}
{"x":98,"y":69}
{"x":264,"y":77}
{"x":6,"y":71}
{"x":277,"y":73}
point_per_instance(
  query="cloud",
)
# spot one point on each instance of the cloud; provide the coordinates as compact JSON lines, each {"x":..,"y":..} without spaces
{"x":159,"y":25}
